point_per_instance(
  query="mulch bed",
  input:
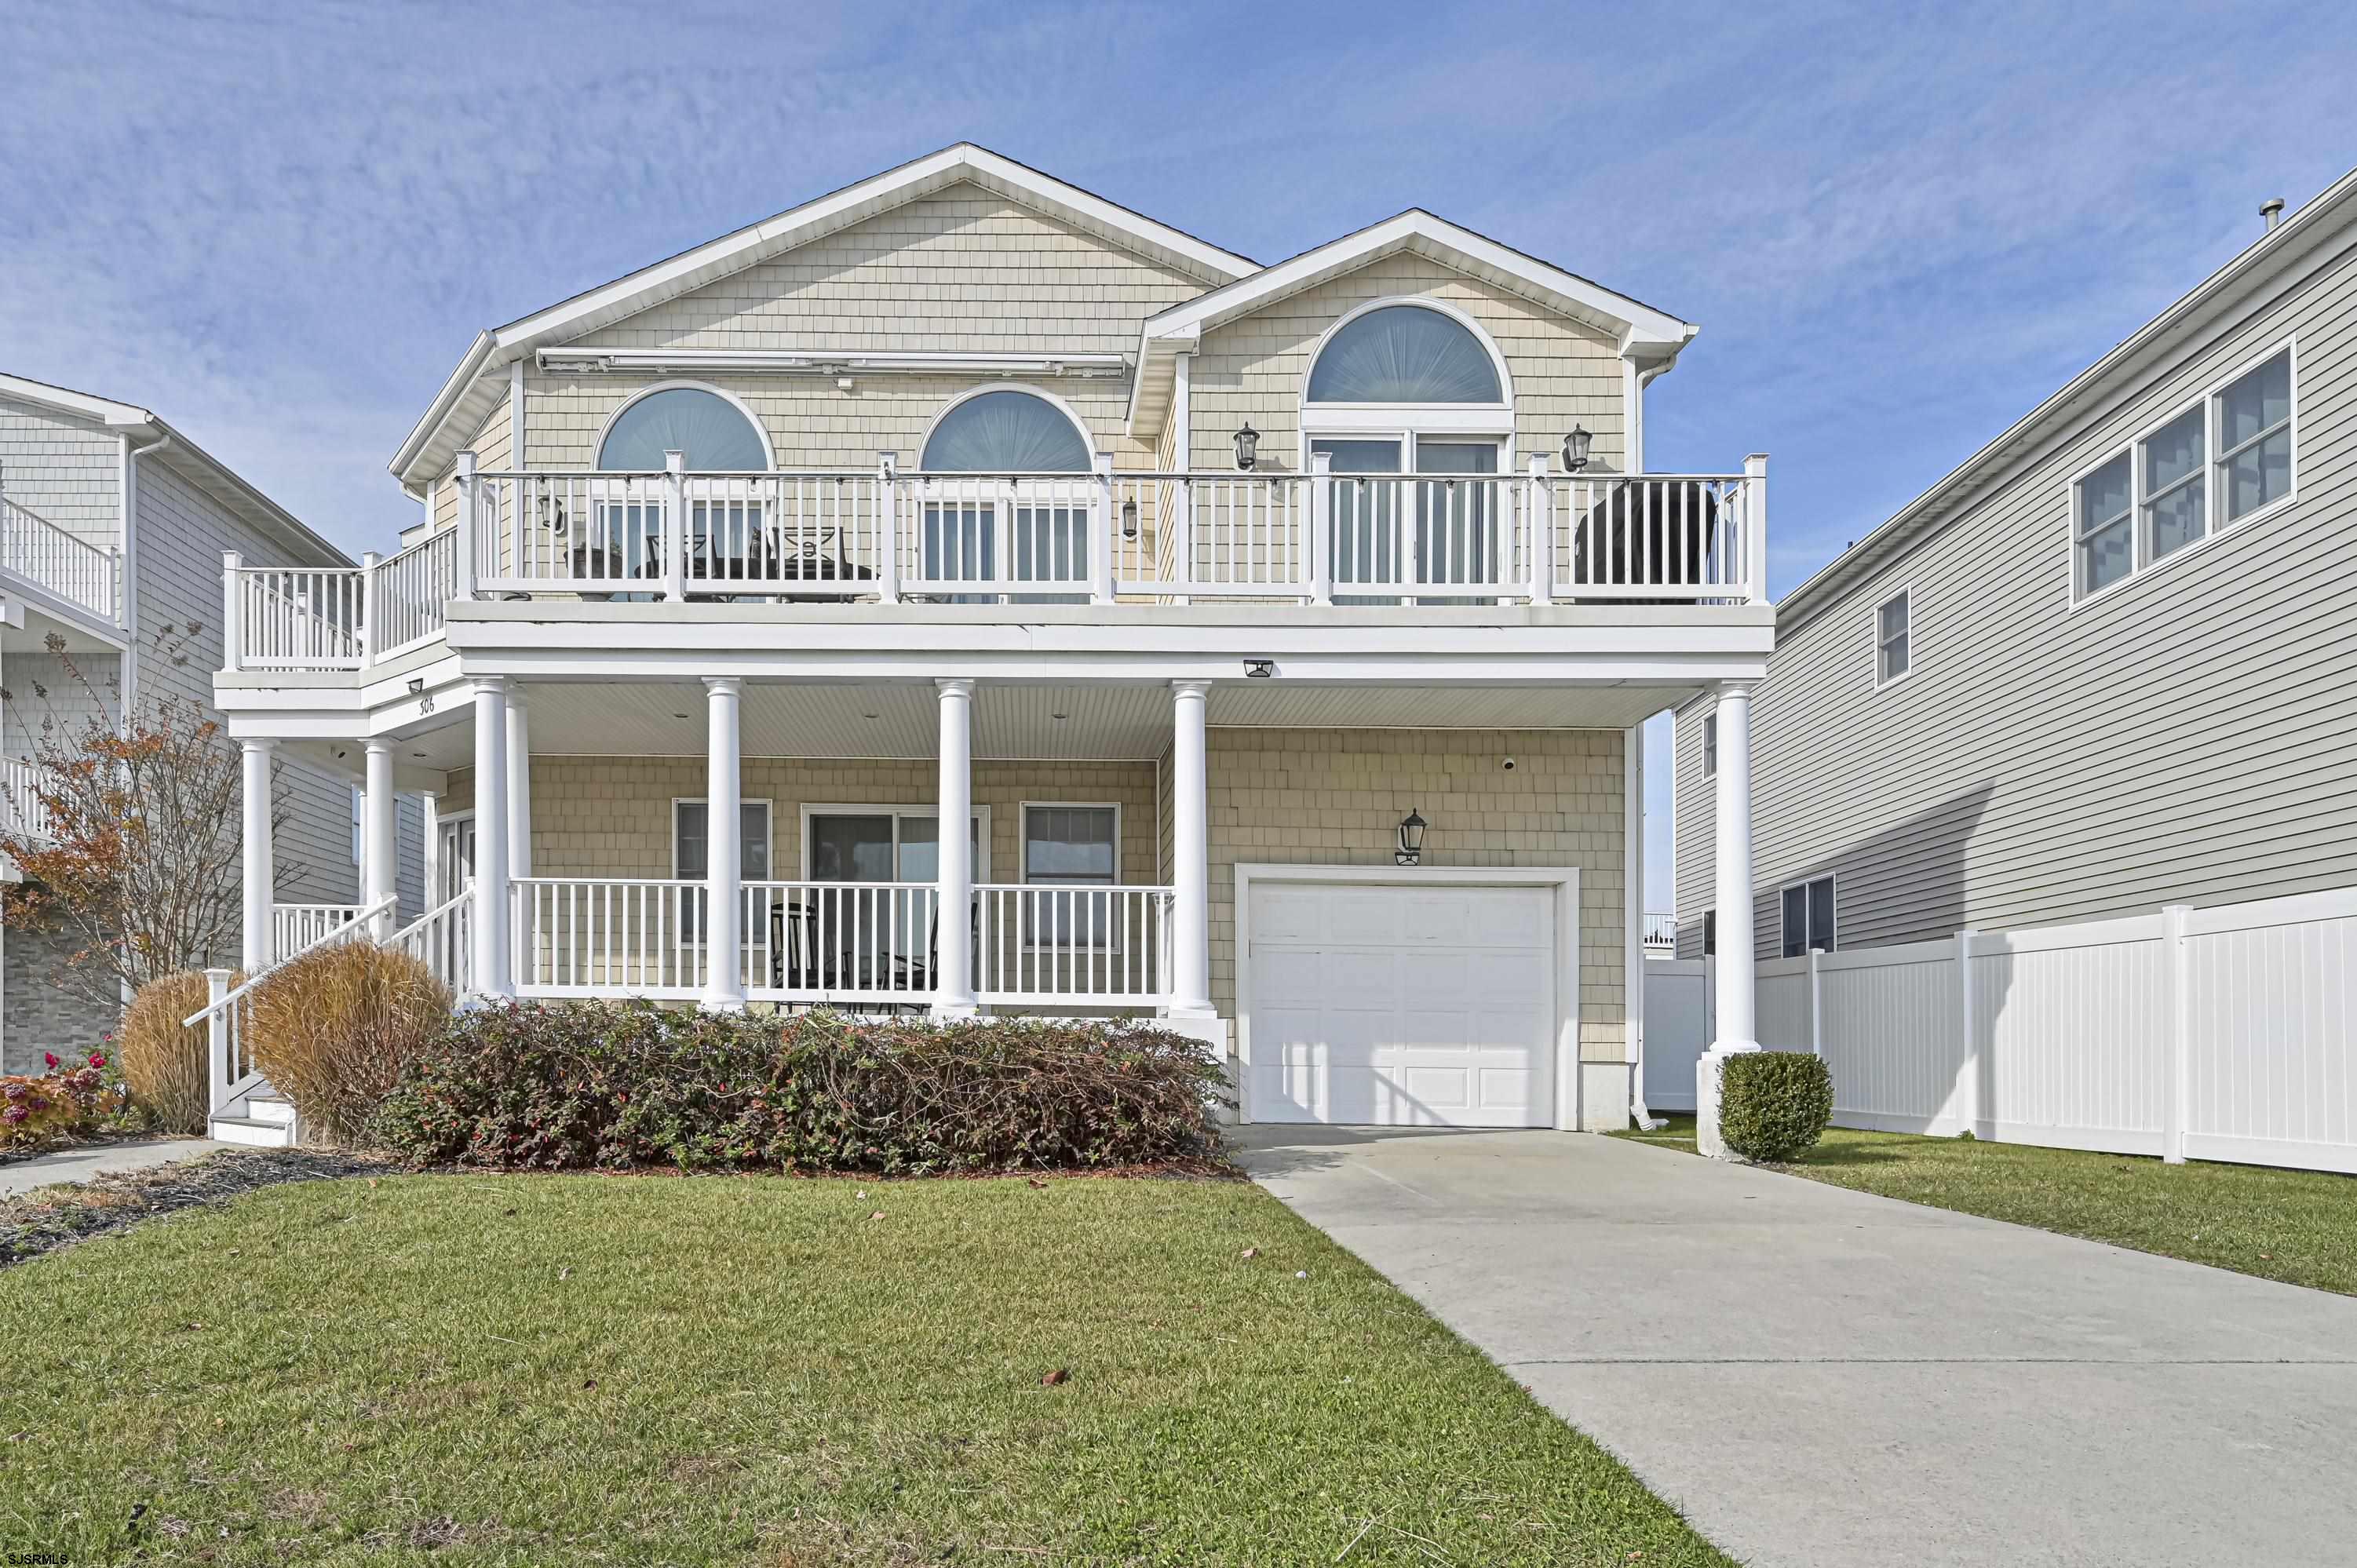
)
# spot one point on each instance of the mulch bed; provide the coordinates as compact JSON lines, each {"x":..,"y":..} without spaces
{"x":49,"y":1218}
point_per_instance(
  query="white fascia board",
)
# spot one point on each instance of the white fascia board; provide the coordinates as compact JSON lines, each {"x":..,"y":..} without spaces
{"x":471,"y":365}
{"x":106,"y":411}
{"x":1328,"y":668}
{"x":823,"y":361}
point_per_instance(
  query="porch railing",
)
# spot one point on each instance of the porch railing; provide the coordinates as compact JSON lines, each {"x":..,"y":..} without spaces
{"x":1086,"y":945}
{"x":442,"y":940}
{"x":853,"y":942}
{"x":583,"y":936}
{"x":21,"y":806}
{"x":297,"y":926}
{"x":82,"y":574}
{"x":231,"y":1073}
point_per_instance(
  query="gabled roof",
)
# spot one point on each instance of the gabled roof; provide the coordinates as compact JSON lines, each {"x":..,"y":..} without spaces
{"x":200,"y":468}
{"x":1652,"y":337}
{"x":2299,"y":237}
{"x":469,"y":395}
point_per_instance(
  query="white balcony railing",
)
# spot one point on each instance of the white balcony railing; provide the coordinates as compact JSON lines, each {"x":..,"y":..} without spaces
{"x":1097,"y":537}
{"x":71,"y":567}
{"x":22,"y":811}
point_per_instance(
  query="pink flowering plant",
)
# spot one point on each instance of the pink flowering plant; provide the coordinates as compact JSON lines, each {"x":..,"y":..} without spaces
{"x":72,"y":1098}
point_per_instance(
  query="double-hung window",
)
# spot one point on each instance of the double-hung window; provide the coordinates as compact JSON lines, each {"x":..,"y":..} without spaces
{"x":2213,"y":463}
{"x":1809,"y":917}
{"x":1890,"y":640}
{"x":1070,"y":848}
{"x":691,"y":849}
{"x":1710,"y":746}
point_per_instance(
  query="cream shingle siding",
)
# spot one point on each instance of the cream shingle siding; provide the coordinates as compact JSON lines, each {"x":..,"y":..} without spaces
{"x":1316,"y":797}
{"x":1255,"y":367}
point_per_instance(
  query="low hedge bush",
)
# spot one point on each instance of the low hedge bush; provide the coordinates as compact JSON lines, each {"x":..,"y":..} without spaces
{"x":1773,"y":1105}
{"x":331,"y":1031}
{"x":614,"y":1085}
{"x":163,"y":1060}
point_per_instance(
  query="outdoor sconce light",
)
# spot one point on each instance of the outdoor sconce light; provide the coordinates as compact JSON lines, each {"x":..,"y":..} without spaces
{"x":1575,"y":449}
{"x":1129,"y":518}
{"x":1411,"y":845}
{"x":1247,"y":448}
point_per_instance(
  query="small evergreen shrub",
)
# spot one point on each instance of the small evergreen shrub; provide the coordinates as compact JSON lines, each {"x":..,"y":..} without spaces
{"x":575,"y":1086}
{"x":164,"y":1061}
{"x":332,"y":1031}
{"x":1773,"y":1105}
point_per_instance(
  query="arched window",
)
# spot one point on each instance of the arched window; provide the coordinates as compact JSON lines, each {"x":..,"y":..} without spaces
{"x":1040,"y":525}
{"x":1405,"y":353}
{"x":1004,"y":431}
{"x":717,"y":437}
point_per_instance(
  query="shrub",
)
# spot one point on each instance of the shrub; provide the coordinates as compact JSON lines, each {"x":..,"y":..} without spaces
{"x":1772,"y":1105}
{"x":164,"y":1061}
{"x":332,"y":1031}
{"x":36,"y":1109}
{"x":580,"y":1085}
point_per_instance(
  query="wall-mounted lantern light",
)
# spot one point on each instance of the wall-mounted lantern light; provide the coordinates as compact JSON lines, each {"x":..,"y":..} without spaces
{"x":1247,"y":448}
{"x":1260,"y":669}
{"x":1575,"y":449}
{"x":1129,"y":518}
{"x":1411,"y":840}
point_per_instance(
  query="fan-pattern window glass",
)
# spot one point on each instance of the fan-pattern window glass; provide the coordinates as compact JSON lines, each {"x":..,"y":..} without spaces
{"x":1890,"y":641}
{"x":1405,"y":353}
{"x":711,"y":431}
{"x":2106,"y":541}
{"x":2255,"y":438}
{"x":1006,"y":431}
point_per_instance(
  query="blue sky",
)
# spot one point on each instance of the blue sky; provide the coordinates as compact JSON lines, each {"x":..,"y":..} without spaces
{"x":1898,"y":226}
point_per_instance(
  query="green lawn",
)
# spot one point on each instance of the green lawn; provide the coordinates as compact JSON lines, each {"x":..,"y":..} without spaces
{"x":480,"y":1370}
{"x":2296,"y":1226}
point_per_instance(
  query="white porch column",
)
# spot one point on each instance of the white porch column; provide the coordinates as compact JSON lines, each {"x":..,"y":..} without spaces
{"x":518,"y":785}
{"x":724,"y":826}
{"x":1733,"y":901}
{"x":379,"y":840}
{"x":1190,"y":847}
{"x":953,"y":956}
{"x":260,"y":871}
{"x":492,"y":948}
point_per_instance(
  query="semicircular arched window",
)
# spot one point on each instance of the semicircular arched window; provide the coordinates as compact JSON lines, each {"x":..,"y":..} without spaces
{"x":715,"y":433}
{"x":1005,"y":432}
{"x":1405,"y":353}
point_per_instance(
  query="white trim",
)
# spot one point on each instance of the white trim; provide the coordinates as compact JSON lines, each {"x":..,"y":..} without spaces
{"x":1564,"y":879}
{"x":768,"y":444}
{"x":1406,"y":421}
{"x":1023,"y":809}
{"x":1907,"y":593}
{"x":1833,"y":937}
{"x":2213,"y":519}
{"x":1414,"y":302}
{"x":516,"y":457}
{"x":897,"y":810}
{"x":1087,"y":441}
{"x":826,"y":361}
{"x":1710,"y":745}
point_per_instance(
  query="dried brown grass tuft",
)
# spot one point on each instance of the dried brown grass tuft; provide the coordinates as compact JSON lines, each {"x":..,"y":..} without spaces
{"x":331,"y":1031}
{"x":163,"y":1060}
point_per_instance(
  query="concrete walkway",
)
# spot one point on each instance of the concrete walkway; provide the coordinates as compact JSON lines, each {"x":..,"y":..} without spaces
{"x":102,"y":1159}
{"x":1825,"y":1378}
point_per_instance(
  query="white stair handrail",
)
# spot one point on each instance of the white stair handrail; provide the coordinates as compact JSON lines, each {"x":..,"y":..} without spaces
{"x":220,"y":1014}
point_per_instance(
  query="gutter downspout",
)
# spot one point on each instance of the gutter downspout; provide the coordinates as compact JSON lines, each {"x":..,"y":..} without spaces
{"x":127,"y":589}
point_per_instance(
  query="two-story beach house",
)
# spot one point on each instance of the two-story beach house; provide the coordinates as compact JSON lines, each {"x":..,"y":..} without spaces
{"x":112,"y":523}
{"x":961,"y":593}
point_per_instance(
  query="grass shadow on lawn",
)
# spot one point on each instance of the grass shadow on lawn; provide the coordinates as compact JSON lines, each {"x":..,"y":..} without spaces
{"x":483,"y":1369}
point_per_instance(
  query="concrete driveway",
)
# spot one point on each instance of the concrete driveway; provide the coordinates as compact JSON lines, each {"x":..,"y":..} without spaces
{"x":1819,"y":1377}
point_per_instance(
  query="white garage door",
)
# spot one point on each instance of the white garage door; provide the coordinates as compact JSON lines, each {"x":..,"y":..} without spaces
{"x":1403,"y":1006}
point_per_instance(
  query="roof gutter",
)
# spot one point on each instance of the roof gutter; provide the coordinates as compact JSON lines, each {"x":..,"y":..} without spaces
{"x":470,"y":365}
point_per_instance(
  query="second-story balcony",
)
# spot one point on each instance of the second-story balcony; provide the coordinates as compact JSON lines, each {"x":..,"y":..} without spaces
{"x":79,"y":574}
{"x":1101,"y":537}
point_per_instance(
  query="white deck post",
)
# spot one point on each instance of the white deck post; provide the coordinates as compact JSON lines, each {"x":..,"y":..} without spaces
{"x":492,"y":948}
{"x":368,"y":639}
{"x":1542,"y":524}
{"x":470,"y":561}
{"x":519,"y":781}
{"x":1736,"y":1031}
{"x":2176,"y":1038}
{"x":1755,"y":526}
{"x":887,"y":527}
{"x":232,"y":613}
{"x":1321,"y":528}
{"x":724,"y":828}
{"x":953,"y":960}
{"x":1101,"y":534}
{"x":675,"y":526}
{"x":1190,"y":979}
{"x":258,"y":870}
{"x":379,"y":840}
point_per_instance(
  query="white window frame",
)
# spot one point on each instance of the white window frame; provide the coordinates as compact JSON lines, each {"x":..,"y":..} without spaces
{"x":769,"y":807}
{"x":768,"y":442}
{"x":1905,"y":595}
{"x":1023,"y":833}
{"x":1453,"y":423}
{"x":360,"y":825}
{"x":1710,"y":746}
{"x":1833,"y":937}
{"x":895,"y":810}
{"x":2213,"y":518}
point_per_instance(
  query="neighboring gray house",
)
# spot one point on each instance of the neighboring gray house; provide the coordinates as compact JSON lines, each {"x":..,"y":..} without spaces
{"x":2109,"y":663}
{"x":75,"y":562}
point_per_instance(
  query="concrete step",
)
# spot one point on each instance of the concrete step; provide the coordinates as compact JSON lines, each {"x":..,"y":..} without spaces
{"x":252,"y":1132}
{"x":262,"y":1108}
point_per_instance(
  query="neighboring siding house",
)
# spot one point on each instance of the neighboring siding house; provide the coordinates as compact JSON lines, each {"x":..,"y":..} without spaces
{"x":125,"y":595}
{"x":2108,"y":664}
{"x":1186,"y":581}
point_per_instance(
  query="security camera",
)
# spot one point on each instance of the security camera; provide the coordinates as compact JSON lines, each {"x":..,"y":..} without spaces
{"x":1509,"y":765}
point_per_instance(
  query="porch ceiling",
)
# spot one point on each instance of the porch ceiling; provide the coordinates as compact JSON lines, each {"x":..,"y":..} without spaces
{"x":1012,"y":722}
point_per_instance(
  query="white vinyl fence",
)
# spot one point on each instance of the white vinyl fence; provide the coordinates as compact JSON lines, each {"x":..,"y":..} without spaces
{"x":2219,"y":1033}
